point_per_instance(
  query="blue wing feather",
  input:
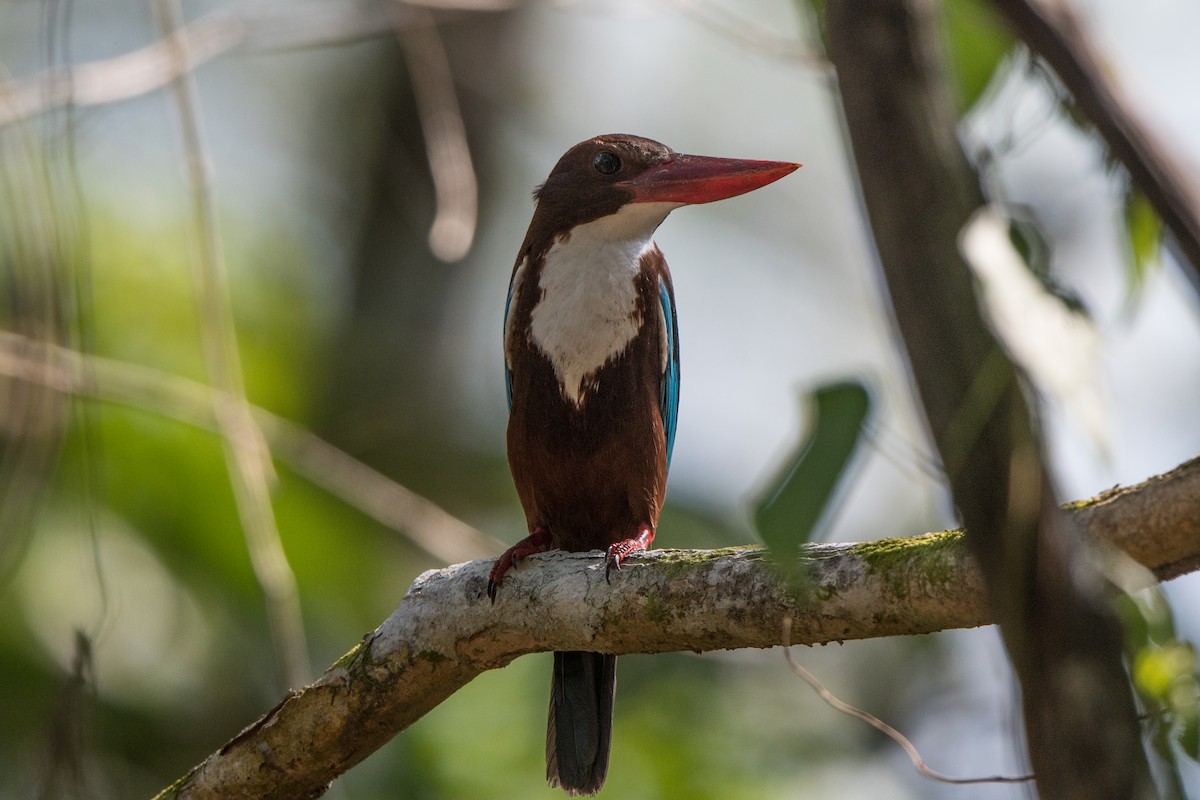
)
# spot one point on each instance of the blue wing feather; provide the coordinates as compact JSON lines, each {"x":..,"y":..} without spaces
{"x":668,"y":397}
{"x":512,"y":284}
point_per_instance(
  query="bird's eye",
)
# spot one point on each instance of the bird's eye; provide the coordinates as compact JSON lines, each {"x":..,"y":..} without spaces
{"x":606,"y":163}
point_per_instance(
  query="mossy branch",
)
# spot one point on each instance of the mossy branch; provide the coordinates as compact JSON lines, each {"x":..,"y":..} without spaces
{"x":445,"y":631}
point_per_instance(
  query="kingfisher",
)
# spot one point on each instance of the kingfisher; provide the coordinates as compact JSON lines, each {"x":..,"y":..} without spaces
{"x":591,"y":355}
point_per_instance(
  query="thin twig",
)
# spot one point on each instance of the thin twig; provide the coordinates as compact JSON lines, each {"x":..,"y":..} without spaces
{"x":875,"y":722}
{"x":122,"y":77}
{"x":752,"y":38}
{"x":247,"y":458}
{"x":445,"y":134}
{"x":33,"y":254}
{"x":286,"y":26}
{"x":426,"y":524}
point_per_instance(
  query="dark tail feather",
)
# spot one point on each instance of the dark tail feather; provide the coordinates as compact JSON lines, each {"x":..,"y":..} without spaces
{"x":579,"y":732}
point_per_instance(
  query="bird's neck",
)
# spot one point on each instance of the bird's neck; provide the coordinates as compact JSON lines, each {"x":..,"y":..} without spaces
{"x":588,"y":311}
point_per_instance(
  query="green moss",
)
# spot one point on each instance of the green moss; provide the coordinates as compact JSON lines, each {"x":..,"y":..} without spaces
{"x":432,"y":657}
{"x":656,"y":610}
{"x":928,"y":561}
{"x":1105,"y":496}
{"x":681,"y":562}
{"x":825,"y":591}
{"x":173,"y":791}
{"x":357,"y":662}
{"x":351,"y":658}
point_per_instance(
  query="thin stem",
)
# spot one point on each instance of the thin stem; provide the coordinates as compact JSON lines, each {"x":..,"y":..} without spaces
{"x":426,"y":524}
{"x":246,"y":455}
{"x":875,"y":722}
{"x":445,"y":134}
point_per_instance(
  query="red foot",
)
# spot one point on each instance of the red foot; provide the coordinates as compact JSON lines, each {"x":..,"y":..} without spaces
{"x":536,"y":542}
{"x":618,"y":551}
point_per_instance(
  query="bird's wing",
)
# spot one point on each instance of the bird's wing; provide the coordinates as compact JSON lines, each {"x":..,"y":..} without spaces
{"x":668,"y":396}
{"x":512,"y":285}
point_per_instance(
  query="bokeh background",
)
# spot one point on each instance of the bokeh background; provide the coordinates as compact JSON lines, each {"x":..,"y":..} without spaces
{"x":134,"y":634}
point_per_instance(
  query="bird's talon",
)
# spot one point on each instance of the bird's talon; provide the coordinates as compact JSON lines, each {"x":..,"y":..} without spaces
{"x":536,"y":542}
{"x":619,"y":551}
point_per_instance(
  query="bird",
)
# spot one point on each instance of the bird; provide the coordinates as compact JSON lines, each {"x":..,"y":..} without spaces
{"x":591,"y":357}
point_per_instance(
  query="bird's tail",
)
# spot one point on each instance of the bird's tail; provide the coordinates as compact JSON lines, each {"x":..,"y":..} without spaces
{"x":579,"y":731}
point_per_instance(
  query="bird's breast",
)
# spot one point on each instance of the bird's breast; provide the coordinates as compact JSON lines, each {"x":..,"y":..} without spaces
{"x":588,"y":310}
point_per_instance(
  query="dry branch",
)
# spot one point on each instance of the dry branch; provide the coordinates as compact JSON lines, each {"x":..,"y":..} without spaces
{"x":248,"y":460}
{"x":445,"y":632}
{"x":454,"y":182}
{"x":286,"y":26}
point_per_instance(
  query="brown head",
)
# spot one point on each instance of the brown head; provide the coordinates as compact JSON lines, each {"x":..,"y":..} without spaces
{"x":598,"y":177}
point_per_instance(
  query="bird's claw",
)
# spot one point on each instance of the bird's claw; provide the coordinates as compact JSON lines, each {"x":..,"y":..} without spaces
{"x":536,"y":542}
{"x":612,"y":561}
{"x":619,"y":551}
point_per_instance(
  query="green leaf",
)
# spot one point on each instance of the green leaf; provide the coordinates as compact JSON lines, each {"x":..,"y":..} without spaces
{"x":1163,"y":669}
{"x":1189,"y":738}
{"x":1136,"y":626}
{"x":1143,"y":230}
{"x":977,"y":44}
{"x":801,"y":497}
{"x":1159,"y":671}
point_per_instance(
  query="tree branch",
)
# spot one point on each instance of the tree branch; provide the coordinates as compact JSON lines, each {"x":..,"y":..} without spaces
{"x":1052,"y":30}
{"x":253,"y":28}
{"x":445,"y":632}
{"x":1062,"y":637}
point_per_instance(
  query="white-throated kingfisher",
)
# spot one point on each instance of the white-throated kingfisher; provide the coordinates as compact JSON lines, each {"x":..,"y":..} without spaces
{"x":591,"y":353}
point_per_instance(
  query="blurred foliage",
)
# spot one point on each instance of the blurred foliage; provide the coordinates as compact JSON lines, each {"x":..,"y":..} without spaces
{"x":805,"y":491}
{"x":975,"y":37}
{"x":977,"y":41}
{"x":1165,"y":677}
{"x":814,"y":11}
{"x":1030,"y":242}
{"x":1143,"y":232}
{"x":1141,"y":227}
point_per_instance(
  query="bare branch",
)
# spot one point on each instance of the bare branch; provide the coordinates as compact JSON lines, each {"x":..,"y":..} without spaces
{"x":247,"y":458}
{"x":445,"y":631}
{"x":119,"y":78}
{"x":284,"y":27}
{"x":910,"y":749}
{"x":445,"y":137}
{"x":751,"y":37}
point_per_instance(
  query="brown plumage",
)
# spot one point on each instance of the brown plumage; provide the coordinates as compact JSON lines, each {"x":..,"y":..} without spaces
{"x":574,"y":469}
{"x":592,"y":364}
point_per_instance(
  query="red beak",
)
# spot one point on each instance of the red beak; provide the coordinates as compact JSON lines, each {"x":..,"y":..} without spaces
{"x":703,"y":179}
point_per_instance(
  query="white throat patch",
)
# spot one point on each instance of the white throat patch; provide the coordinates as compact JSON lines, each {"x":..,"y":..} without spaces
{"x":588,"y":312}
